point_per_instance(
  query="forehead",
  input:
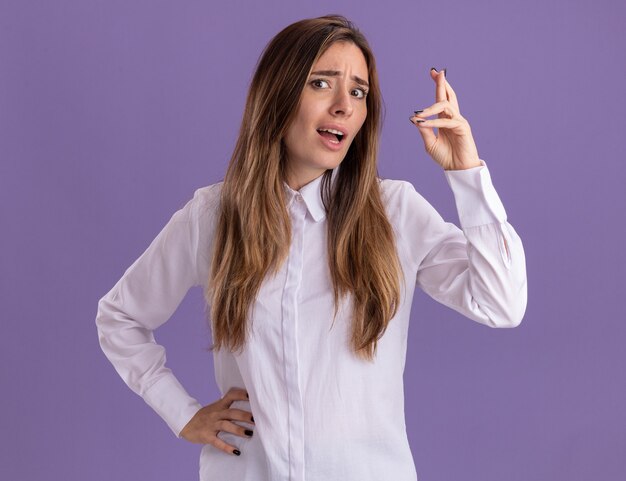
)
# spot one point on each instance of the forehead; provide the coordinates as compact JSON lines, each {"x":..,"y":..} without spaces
{"x":343,"y":54}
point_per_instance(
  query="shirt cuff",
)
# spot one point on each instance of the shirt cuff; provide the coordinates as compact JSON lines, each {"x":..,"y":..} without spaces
{"x":171,"y":401}
{"x":477,"y":201}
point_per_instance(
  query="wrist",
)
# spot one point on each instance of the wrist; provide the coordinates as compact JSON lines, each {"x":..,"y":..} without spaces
{"x":468,"y":166}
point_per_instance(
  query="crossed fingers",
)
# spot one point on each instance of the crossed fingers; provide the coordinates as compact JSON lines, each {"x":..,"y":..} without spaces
{"x":446,"y":104}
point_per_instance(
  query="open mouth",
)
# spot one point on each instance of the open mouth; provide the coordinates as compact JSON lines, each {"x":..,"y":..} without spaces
{"x":332,"y":135}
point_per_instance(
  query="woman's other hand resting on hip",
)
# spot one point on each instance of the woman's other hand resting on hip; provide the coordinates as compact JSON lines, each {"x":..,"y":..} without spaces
{"x":213,"y":418}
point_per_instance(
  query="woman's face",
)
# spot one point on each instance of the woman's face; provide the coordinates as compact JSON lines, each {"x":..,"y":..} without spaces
{"x":334,"y":98}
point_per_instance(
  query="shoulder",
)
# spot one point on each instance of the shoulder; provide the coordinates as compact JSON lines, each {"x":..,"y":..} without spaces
{"x":405,"y":205}
{"x":201,"y":209}
{"x":392,"y":189}
{"x":205,"y":202}
{"x":208,"y":195}
{"x":396,"y":194}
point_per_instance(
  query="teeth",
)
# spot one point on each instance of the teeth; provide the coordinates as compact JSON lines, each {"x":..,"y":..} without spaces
{"x":332,"y":131}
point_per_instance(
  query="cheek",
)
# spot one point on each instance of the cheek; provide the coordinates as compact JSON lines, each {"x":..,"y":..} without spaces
{"x":295,"y":130}
{"x":294,"y":136}
{"x":299,"y":126}
{"x":361,"y":123}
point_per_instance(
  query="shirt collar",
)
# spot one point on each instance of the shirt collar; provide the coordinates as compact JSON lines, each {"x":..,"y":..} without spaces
{"x":312,"y":195}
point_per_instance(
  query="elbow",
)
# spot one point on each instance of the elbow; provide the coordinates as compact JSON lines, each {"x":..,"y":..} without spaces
{"x":105,"y":320}
{"x":512,"y":306}
{"x":100,"y":324}
{"x":505,"y":321}
{"x":510,"y":322}
{"x":100,"y":315}
{"x":512,"y":314}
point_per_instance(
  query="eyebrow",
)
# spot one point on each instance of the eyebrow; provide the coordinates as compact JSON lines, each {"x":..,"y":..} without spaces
{"x":337,"y":73}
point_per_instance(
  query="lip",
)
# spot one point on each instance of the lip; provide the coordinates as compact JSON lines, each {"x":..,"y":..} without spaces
{"x":327,"y":142}
{"x":331,"y":145}
{"x":338,"y":127}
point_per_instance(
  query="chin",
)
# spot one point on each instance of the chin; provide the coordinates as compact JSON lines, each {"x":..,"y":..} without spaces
{"x":333,"y":164}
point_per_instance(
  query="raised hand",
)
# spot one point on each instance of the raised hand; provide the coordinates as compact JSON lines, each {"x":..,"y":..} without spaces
{"x":454,"y":148}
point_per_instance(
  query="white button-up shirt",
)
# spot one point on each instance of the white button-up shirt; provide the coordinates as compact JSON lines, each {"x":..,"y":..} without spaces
{"x":321,"y":414}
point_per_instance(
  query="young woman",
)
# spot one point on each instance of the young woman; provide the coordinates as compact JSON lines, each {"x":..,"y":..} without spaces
{"x":309,"y":261}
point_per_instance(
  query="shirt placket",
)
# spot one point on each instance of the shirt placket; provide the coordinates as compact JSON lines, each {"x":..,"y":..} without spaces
{"x":295,"y":418}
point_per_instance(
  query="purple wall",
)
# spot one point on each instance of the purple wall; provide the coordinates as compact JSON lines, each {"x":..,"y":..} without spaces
{"x":113,"y":113}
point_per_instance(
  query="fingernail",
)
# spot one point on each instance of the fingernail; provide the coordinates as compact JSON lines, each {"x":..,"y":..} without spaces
{"x":237,"y":452}
{"x":248,"y":432}
{"x":433,"y":68}
{"x":419,"y":120}
{"x":418,"y":111}
{"x":445,"y":72}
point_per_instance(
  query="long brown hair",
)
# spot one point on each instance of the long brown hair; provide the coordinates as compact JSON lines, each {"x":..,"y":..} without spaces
{"x":253,"y":231}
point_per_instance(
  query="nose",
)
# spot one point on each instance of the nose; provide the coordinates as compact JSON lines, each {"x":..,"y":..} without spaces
{"x":342,"y":103}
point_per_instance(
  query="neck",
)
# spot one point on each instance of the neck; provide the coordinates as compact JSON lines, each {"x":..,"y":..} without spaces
{"x":297,"y":180}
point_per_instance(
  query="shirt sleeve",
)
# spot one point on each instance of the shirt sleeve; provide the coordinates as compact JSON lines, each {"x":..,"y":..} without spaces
{"x":143,"y":299}
{"x":479,"y":270}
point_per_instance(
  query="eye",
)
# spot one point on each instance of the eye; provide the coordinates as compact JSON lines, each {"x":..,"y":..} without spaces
{"x":318,"y":80}
{"x":363,"y":93}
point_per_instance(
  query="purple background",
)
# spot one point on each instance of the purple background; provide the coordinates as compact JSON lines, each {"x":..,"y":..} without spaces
{"x":113,"y":112}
